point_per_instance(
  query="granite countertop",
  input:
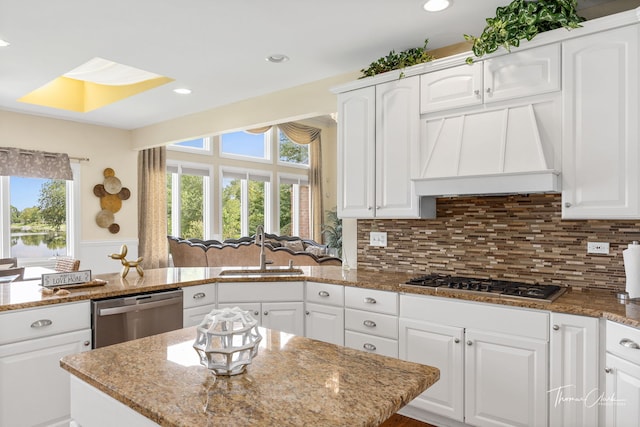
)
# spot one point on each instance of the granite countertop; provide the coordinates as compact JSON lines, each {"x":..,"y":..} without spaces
{"x":592,"y":302}
{"x":293,"y":381}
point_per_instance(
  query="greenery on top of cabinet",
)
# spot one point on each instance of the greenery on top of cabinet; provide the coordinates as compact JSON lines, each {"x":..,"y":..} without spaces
{"x":523,"y":20}
{"x":397,"y":61}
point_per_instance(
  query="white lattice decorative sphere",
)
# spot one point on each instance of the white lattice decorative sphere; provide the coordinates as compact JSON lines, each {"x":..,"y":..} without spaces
{"x":227,"y":340}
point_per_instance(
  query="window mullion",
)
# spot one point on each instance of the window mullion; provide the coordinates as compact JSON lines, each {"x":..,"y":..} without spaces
{"x":176,"y":229}
{"x":5,"y":216}
{"x":244,"y":207}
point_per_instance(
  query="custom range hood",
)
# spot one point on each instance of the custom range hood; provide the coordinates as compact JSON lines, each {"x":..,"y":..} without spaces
{"x":509,"y":150}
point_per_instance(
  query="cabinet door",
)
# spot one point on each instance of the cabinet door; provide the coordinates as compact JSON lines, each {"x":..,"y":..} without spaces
{"x":454,"y":87}
{"x":505,"y":380}
{"x":324,"y":323}
{"x":623,"y":393}
{"x":441,"y":346}
{"x":356,"y":153}
{"x":252,"y":307}
{"x":284,"y":316}
{"x":524,"y":73}
{"x":600,"y":142}
{"x":397,"y":148}
{"x":193,"y":316}
{"x":573,"y":370}
{"x":34,"y":389}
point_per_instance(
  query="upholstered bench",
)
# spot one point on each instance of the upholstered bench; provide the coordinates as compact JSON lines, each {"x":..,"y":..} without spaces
{"x":245,"y":252}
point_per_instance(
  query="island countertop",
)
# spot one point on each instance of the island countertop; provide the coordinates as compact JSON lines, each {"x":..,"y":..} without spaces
{"x":292,"y":381}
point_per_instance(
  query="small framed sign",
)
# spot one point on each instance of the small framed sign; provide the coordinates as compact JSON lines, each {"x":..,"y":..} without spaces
{"x":60,"y":280}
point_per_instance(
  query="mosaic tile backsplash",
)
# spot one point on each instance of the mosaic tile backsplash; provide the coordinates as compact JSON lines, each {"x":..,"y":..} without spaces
{"x":502,"y":237}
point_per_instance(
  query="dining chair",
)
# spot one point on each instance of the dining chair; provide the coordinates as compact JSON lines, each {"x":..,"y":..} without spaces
{"x":12,"y":274}
{"x":65,"y":265}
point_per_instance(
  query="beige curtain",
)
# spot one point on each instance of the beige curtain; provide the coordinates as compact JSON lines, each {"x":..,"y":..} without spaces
{"x":34,"y":164}
{"x":152,"y":207}
{"x":308,"y":135}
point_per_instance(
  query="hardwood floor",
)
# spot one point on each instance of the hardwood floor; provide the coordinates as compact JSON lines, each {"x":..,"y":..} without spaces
{"x":397,"y":420}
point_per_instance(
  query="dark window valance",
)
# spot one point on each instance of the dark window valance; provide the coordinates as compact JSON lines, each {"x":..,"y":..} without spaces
{"x":34,"y":164}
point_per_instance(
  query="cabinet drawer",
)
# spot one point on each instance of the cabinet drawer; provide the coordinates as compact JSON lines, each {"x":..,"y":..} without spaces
{"x":325,"y":293}
{"x":382,"y":325}
{"x":32,"y":323}
{"x":195,"y":315}
{"x":371,"y":300}
{"x":196,"y":296}
{"x":519,"y":322}
{"x":260,"y":291}
{"x":622,"y":339}
{"x":371,"y":344}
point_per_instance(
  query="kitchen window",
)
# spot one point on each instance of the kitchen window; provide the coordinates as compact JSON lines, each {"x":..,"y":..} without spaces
{"x":188,"y":201}
{"x":294,"y":205}
{"x":196,"y":146}
{"x":245,"y":202}
{"x":40,"y":217}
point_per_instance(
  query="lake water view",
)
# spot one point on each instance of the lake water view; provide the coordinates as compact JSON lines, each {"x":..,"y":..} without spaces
{"x":38,"y":245}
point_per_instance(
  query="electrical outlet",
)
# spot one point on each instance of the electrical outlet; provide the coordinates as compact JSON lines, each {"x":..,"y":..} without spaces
{"x":598,"y":248}
{"x":377,"y":238}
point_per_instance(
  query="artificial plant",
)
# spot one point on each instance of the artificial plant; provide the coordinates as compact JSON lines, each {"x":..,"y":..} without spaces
{"x":523,"y":20}
{"x":397,"y":61}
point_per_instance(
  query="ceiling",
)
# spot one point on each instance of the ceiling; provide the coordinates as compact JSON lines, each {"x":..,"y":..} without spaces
{"x":216,"y":48}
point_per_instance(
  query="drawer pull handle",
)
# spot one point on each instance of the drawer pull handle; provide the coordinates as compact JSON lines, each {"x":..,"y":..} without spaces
{"x":41,"y":323}
{"x":323,"y":293}
{"x":370,"y":300}
{"x":625,"y":342}
{"x":369,"y":323}
{"x":199,"y":295}
{"x":369,"y":347}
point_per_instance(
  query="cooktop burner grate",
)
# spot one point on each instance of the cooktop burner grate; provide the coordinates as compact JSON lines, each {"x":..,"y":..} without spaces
{"x":491,"y":286}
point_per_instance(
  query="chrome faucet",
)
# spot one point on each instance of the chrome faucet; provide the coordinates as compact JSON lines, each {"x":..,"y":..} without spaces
{"x":260,"y":241}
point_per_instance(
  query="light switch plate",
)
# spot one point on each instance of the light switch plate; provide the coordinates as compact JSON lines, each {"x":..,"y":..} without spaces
{"x":378,"y":238}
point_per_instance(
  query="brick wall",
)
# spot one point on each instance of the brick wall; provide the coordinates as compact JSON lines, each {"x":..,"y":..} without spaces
{"x":513,"y":237}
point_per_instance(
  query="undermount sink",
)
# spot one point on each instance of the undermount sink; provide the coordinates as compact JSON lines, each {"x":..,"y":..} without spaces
{"x":273,"y":271}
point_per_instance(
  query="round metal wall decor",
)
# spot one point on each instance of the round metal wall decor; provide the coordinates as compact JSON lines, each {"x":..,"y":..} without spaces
{"x":111,"y":194}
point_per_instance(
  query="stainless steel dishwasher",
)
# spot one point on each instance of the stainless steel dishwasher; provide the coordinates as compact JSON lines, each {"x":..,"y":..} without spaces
{"x":120,"y":319}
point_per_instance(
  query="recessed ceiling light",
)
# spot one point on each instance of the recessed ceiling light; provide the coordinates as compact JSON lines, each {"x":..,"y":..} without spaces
{"x":436,"y":5}
{"x":182,"y":91}
{"x":4,"y":43}
{"x":277,"y":58}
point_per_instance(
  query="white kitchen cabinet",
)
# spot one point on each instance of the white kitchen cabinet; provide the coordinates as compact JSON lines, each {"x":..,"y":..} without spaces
{"x":324,"y":312}
{"x":34,"y":389}
{"x":198,"y":301}
{"x":357,"y":153}
{"x":378,"y":146}
{"x":493,"y":361}
{"x":371,"y":321}
{"x":279,"y":305}
{"x":600,"y":175}
{"x":622,"y":372}
{"x":516,"y":75}
{"x":442,"y":346}
{"x":573,"y":370}
{"x":505,"y":380}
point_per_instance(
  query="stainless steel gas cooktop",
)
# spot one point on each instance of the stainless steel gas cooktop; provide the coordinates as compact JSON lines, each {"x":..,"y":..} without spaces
{"x":502,"y":288}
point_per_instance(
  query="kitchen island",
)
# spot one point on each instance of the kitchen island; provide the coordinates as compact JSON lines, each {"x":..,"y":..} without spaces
{"x":293,"y":381}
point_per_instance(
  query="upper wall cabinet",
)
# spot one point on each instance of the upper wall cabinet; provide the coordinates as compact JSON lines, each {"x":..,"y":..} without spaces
{"x":378,"y":138}
{"x":524,"y":73}
{"x":600,"y":153}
